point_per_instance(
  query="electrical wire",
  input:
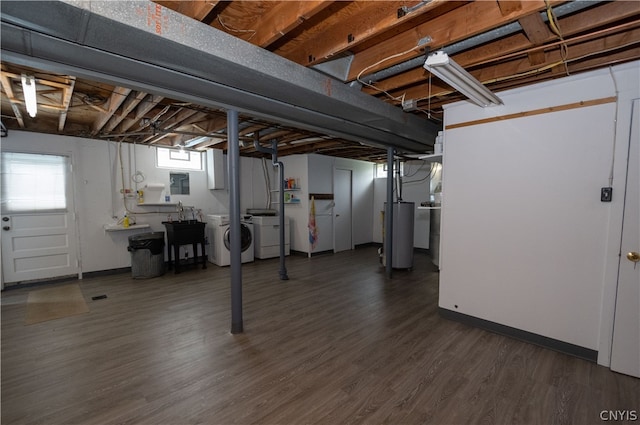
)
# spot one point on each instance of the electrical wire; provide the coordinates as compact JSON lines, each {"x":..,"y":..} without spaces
{"x":396,"y":98}
{"x":615,"y":128}
{"x":555,"y":27}
{"x":123,"y":190}
{"x":253,"y":32}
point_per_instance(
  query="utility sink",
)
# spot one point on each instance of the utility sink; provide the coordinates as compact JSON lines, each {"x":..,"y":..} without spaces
{"x":186,"y":232}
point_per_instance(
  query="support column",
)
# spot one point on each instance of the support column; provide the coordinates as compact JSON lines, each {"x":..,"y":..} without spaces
{"x":233,"y":167}
{"x":388,"y":214}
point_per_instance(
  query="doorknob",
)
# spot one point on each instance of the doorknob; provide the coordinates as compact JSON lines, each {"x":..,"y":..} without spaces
{"x":6,"y":228}
{"x":5,"y":218}
{"x":633,"y":256}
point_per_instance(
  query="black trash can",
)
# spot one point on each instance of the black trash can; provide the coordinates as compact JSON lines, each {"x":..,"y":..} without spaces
{"x":147,"y":255}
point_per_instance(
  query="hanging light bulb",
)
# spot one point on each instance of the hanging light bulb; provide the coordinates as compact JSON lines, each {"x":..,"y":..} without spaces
{"x":29,"y":90}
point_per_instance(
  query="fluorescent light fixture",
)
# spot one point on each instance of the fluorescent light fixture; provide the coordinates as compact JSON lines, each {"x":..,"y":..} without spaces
{"x":29,"y":90}
{"x":440,"y":65}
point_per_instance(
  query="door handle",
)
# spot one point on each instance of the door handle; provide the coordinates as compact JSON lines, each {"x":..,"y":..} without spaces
{"x":633,"y":256}
{"x":6,"y":228}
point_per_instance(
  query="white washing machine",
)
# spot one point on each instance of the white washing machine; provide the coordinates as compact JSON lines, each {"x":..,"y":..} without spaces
{"x":218,"y":233}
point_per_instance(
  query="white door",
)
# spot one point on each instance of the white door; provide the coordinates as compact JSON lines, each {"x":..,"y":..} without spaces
{"x":38,"y":228}
{"x":625,"y":350}
{"x":342,"y":228}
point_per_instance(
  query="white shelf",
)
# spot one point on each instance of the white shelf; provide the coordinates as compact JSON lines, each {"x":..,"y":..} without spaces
{"x":435,"y":157}
{"x":120,"y":227}
{"x":163,"y":204}
{"x":429,"y":208}
{"x":287,"y":190}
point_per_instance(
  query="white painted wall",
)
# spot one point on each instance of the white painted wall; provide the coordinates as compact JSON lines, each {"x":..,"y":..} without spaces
{"x":316,"y":176}
{"x":97,"y":182}
{"x":526,"y":241}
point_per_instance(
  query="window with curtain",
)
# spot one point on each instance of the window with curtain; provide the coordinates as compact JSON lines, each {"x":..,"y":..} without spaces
{"x":33,"y":182}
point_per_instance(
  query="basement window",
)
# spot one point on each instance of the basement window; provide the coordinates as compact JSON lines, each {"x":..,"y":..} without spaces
{"x":178,"y":159}
{"x":381,"y":169}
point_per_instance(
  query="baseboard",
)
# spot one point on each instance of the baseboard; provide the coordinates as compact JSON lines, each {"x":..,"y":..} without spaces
{"x":313,"y":254}
{"x":532,"y":338}
{"x":367,"y":245}
{"x":107,"y":272}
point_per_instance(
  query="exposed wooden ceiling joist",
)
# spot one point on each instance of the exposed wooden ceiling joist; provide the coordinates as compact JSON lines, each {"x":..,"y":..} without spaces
{"x":372,"y":33}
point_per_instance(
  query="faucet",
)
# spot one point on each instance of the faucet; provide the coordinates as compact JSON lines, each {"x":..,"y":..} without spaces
{"x":180,"y":209}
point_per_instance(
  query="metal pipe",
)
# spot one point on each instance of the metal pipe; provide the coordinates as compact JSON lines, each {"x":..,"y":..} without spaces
{"x":274,"y":159}
{"x":388,"y":215}
{"x":233,"y":167}
{"x":283,"y":267}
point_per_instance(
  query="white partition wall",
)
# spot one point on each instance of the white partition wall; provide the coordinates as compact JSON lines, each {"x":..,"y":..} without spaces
{"x":526,"y":241}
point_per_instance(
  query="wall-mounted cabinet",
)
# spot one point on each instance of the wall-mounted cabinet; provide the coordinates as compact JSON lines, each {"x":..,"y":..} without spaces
{"x":215,"y":169}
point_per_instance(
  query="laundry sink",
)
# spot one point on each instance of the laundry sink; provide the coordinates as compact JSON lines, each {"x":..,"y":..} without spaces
{"x":186,"y":232}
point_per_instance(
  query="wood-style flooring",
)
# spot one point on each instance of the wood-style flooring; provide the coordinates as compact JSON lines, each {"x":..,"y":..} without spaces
{"x":338,"y":343}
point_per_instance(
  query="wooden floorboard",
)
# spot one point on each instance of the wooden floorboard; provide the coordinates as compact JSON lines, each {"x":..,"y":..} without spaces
{"x":338,"y":343}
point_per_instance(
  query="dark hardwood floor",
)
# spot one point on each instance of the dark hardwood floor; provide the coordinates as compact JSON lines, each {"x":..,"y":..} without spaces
{"x":338,"y":343}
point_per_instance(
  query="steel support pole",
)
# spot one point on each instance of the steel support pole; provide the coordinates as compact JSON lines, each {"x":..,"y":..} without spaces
{"x":388,"y":214}
{"x":233,"y":167}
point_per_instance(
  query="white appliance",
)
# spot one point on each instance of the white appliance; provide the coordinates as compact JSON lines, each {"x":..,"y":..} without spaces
{"x":267,"y":236}
{"x":218,"y":231}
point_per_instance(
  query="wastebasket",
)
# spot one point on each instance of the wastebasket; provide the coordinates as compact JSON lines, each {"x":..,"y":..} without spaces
{"x":147,"y":255}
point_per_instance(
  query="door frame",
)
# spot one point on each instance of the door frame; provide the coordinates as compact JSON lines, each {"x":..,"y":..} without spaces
{"x":73,"y":210}
{"x":620,"y":156}
{"x":335,"y":189}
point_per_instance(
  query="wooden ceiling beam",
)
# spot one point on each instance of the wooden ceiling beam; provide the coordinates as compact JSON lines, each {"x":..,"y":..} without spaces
{"x":354,"y":24}
{"x":196,"y":9}
{"x":132,"y":101}
{"x":176,"y":119}
{"x":461,"y":23}
{"x":285,"y":17}
{"x":538,"y":33}
{"x":519,"y":71}
{"x":508,"y":7}
{"x":67,"y":94}
{"x":603,"y":15}
{"x":7,"y":86}
{"x":141,"y":110}
{"x":118,"y":96}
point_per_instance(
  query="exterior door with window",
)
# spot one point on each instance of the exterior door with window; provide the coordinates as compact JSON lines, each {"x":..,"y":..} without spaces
{"x":38,"y":227}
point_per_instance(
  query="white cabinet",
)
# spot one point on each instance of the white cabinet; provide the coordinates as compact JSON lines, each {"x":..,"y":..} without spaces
{"x":215,"y":169}
{"x":266,"y":236}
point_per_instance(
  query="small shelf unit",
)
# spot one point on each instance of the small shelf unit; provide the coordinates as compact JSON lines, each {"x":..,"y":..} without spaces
{"x":120,"y":227}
